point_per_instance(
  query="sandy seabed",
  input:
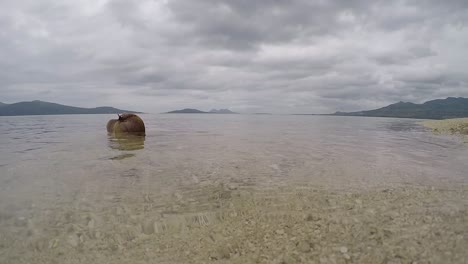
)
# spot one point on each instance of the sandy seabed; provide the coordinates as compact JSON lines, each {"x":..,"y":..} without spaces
{"x":239,"y":225}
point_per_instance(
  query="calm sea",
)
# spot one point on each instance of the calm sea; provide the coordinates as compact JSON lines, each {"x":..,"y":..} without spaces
{"x":68,"y":191}
{"x":43,"y":157}
{"x":71,"y":157}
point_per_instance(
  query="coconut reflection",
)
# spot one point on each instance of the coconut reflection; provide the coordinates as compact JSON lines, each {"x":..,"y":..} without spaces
{"x":126,"y":142}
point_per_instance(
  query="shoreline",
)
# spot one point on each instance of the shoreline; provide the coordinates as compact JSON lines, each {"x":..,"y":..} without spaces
{"x":457,"y":126}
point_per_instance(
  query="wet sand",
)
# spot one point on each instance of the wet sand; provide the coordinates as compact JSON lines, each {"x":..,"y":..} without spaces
{"x":448,"y":126}
{"x":227,"y":224}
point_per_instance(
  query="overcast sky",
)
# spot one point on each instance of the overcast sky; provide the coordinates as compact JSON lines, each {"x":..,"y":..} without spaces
{"x":294,"y":56}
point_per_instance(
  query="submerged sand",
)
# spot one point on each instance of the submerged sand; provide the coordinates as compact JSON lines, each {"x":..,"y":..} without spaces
{"x":239,"y":225}
{"x":448,"y":126}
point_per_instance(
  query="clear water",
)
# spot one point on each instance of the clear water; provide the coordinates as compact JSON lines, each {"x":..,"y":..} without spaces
{"x":50,"y":162}
{"x":56,"y":155}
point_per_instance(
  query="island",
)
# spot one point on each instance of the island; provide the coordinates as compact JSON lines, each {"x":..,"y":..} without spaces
{"x":38,"y":107}
{"x":222,"y":111}
{"x":196,"y":111}
{"x":451,"y":107}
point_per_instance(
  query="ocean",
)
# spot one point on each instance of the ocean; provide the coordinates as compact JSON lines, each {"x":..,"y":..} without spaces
{"x":67,"y":188}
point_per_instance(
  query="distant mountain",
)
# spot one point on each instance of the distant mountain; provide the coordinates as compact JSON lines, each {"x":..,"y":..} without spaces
{"x":451,"y":107}
{"x":196,"y":111}
{"x":222,"y":111}
{"x":187,"y":111}
{"x":45,"y":108}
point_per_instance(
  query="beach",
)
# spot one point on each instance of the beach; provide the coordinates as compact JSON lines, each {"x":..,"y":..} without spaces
{"x":448,"y":126}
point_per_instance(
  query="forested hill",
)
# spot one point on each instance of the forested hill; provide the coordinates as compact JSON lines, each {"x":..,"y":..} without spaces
{"x":451,"y":107}
{"x":45,"y":108}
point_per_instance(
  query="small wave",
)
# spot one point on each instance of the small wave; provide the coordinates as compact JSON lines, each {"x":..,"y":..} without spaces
{"x":123,"y":156}
{"x":27,"y":150}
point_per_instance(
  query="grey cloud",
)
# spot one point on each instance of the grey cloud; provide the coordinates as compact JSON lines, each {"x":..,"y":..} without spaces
{"x":273,"y":56}
{"x":247,"y":24}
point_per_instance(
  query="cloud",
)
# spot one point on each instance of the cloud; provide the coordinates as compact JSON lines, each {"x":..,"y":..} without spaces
{"x":250,"y":56}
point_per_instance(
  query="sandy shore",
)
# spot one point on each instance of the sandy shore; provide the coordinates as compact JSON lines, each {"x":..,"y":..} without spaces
{"x":230,"y":225}
{"x":448,"y":126}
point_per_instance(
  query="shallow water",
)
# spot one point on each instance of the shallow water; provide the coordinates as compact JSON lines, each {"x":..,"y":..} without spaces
{"x":71,"y":157}
{"x":67,"y":167}
{"x":63,"y":153}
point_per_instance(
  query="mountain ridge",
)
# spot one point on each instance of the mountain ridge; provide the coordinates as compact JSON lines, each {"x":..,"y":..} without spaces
{"x":38,"y":107}
{"x":451,"y":107}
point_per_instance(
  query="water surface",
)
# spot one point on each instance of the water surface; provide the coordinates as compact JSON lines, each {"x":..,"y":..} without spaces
{"x":61,"y":175}
{"x":54,"y":155}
